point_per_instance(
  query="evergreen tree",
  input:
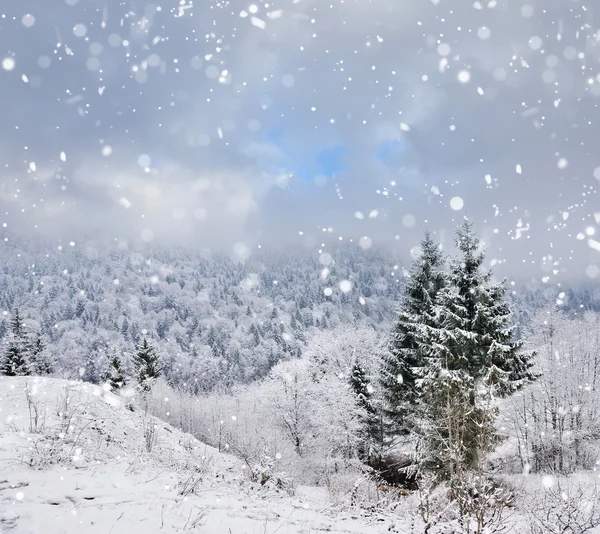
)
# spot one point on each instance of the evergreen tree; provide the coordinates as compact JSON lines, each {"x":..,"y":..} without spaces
{"x":17,"y":353}
{"x":40,"y":362}
{"x":405,"y":355}
{"x":372,"y":418}
{"x":471,"y":359}
{"x":146,"y":366}
{"x":359,"y":383}
{"x":94,"y":367}
{"x":116,"y":373}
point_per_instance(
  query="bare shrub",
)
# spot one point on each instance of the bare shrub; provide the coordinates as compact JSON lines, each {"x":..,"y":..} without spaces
{"x":150,"y":435}
{"x":565,"y":508}
{"x":66,"y":408}
{"x":38,"y":411}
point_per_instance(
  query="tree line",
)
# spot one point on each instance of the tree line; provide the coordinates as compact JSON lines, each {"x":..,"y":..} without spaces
{"x":25,"y":355}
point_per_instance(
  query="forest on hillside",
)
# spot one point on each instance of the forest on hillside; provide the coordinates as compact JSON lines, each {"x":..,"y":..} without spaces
{"x":216,"y":321}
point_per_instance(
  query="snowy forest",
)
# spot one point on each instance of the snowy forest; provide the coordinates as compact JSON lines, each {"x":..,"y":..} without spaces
{"x":353,"y":374}
{"x":215,"y":320}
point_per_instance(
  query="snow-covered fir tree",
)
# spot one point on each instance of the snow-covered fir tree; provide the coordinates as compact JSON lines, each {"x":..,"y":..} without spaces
{"x":116,"y":373}
{"x":471,"y":359}
{"x":17,"y":353}
{"x":374,"y":434}
{"x":146,"y":366}
{"x":405,"y":354}
{"x":41,"y":363}
{"x":94,"y":367}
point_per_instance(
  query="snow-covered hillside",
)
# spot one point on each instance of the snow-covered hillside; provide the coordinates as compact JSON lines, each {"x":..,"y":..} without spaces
{"x":76,"y":458}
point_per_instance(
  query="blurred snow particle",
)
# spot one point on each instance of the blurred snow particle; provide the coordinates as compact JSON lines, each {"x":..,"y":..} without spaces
{"x":345,"y":286}
{"x":44,"y":62}
{"x":535,"y":43}
{"x":196,"y":62}
{"x":373,"y":214}
{"x":325,"y":259}
{"x":404,"y":127}
{"x":93,"y":64}
{"x":71,"y":2}
{"x":549,"y":76}
{"x":548,"y":481}
{"x":443,"y":49}
{"x":8,"y":63}
{"x":328,"y":291}
{"x":147,"y":235}
{"x":79,"y":30}
{"x":28,"y":20}
{"x":144,"y":161}
{"x":360,"y":216}
{"x":96,"y":49}
{"x":408,"y":221}
{"x":19,"y":495}
{"x":114,"y":40}
{"x":570,"y":53}
{"x":597,"y":173}
{"x":212,"y":72}
{"x":32,"y":166}
{"x":106,"y":151}
{"x":63,"y":156}
{"x":527,"y":11}
{"x":141,"y":76}
{"x":519,"y":169}
{"x":242,"y":251}
{"x":320,"y":180}
{"x":592,"y":243}
{"x":288,"y":80}
{"x":592,"y":271}
{"x":153,"y":60}
{"x":365,"y":242}
{"x":456,"y":203}
{"x":259,"y":23}
{"x":125,"y":203}
{"x":362,"y":301}
{"x":562,"y":163}
{"x":484,"y":33}
{"x":464,"y":76}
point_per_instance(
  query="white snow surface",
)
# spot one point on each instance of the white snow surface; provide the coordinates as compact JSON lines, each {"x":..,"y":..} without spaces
{"x":98,"y":476}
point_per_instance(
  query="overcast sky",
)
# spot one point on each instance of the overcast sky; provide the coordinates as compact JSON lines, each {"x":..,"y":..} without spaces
{"x":223,"y":122}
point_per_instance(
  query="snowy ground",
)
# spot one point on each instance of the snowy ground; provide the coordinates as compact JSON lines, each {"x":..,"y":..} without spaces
{"x":89,"y":470}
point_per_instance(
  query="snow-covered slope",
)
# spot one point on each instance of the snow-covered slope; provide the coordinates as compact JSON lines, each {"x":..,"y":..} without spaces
{"x":76,"y":458}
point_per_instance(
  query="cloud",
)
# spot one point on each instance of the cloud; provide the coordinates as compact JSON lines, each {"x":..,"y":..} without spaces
{"x":419,"y":102}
